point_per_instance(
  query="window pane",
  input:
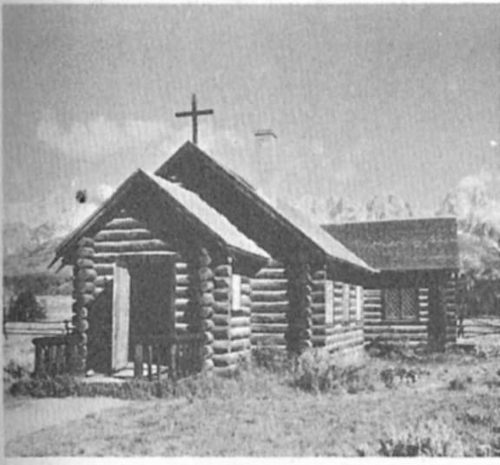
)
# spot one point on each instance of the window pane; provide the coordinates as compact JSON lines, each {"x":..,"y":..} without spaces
{"x":409,"y":304}
{"x":391,"y":304}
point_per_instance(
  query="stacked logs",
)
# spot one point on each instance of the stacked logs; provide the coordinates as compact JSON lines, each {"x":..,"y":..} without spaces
{"x":450,"y":300}
{"x":84,"y":276}
{"x":181,"y":296}
{"x":375,"y":327}
{"x":201,"y":302}
{"x":120,"y":235}
{"x":318,"y":307}
{"x":299,"y":317}
{"x":232,"y":326}
{"x":269,"y":307}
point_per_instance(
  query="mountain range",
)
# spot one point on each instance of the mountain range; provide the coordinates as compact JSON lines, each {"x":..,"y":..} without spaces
{"x":29,"y":249}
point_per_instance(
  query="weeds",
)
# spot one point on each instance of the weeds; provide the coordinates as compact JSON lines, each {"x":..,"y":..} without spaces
{"x":431,"y":439}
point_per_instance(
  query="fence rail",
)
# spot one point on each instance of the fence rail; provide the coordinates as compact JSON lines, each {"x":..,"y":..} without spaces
{"x":38,"y":328}
{"x":177,"y":357}
{"x":55,"y":355}
{"x":476,"y":327}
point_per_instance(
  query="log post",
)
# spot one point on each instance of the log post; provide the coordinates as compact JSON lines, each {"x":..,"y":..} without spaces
{"x":84,"y":276}
{"x":298,"y":335}
{"x":201,"y":301}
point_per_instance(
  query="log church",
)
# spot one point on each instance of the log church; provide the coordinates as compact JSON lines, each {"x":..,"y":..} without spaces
{"x":191,"y":268}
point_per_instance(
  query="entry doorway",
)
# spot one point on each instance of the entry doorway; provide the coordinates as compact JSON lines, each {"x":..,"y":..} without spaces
{"x":143,"y":303}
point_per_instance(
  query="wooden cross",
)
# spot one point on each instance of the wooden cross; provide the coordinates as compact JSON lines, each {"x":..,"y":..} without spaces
{"x":194,"y":113}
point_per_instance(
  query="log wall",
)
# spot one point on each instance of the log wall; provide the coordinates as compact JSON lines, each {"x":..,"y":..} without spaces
{"x":344,"y":339}
{"x":231,"y":325}
{"x":450,"y":290}
{"x":125,"y":234}
{"x":413,"y":332}
{"x":269,"y":307}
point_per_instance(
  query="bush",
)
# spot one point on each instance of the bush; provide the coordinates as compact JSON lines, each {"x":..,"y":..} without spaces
{"x":315,"y":373}
{"x":272,"y":359}
{"x":459,"y":383}
{"x":431,"y":439}
{"x":25,"y":307}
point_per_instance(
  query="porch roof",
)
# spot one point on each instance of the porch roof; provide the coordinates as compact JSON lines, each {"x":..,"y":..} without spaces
{"x":138,"y":189}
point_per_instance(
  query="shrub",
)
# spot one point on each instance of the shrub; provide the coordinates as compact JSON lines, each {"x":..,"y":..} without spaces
{"x":458,"y":384}
{"x":315,"y":373}
{"x":431,"y":439}
{"x":272,"y":359}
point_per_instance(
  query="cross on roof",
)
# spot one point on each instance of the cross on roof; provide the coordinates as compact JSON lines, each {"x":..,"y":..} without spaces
{"x":194,"y":113}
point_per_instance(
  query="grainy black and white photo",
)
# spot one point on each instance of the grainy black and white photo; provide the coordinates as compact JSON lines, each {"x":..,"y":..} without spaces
{"x":262,"y":230}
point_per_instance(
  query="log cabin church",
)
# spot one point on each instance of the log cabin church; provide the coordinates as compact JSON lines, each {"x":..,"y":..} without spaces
{"x":191,"y":268}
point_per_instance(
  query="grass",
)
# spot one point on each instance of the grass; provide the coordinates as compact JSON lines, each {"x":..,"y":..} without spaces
{"x":266,"y":412}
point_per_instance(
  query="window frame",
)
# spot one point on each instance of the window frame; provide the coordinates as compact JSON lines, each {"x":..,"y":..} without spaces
{"x":399,"y":317}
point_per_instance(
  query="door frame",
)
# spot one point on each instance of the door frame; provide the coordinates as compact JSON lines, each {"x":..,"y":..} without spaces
{"x":130,"y":261}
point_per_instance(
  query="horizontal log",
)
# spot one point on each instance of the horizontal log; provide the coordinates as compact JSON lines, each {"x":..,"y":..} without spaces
{"x":263,"y":318}
{"x":274,"y":328}
{"x":242,"y":311}
{"x":182,"y":280}
{"x":235,"y":345}
{"x":227,"y":320}
{"x":265,"y":339}
{"x":400,"y":338}
{"x":131,"y":246}
{"x":269,"y":296}
{"x":269,"y":284}
{"x":222,"y":308}
{"x":181,"y":304}
{"x":345,"y":346}
{"x":339,"y":339}
{"x":222,"y":282}
{"x":181,"y":292}
{"x":269,"y":307}
{"x":226,"y":332}
{"x":271,"y":273}
{"x":181,"y":327}
{"x":124,"y":223}
{"x":110,"y":235}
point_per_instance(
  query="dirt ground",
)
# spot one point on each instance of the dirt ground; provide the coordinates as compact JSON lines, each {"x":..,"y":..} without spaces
{"x":263,"y":416}
{"x":24,"y":416}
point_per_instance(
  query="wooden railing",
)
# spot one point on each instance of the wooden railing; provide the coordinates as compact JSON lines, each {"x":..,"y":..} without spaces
{"x":175,"y":357}
{"x":54,"y":355}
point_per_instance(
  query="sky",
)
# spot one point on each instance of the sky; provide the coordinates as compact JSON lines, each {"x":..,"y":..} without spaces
{"x":365,"y":100}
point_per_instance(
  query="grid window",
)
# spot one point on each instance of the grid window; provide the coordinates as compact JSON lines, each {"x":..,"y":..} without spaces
{"x":401,"y":304}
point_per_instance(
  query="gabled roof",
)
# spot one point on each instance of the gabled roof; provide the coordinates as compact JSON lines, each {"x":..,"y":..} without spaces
{"x":411,"y":244}
{"x":140,"y":186}
{"x":280,"y":230}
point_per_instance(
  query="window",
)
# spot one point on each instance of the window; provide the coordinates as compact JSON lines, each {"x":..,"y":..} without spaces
{"x":400,"y":304}
{"x":328,"y":302}
{"x":236,"y":292}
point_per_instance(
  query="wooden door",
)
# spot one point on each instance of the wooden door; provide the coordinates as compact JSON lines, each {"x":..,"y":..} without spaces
{"x":121,"y":317}
{"x":152,"y":298}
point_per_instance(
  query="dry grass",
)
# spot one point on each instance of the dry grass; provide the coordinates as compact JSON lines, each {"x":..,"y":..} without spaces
{"x":263,"y":414}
